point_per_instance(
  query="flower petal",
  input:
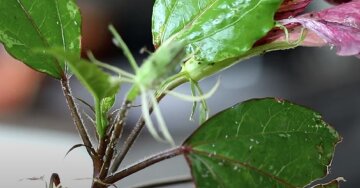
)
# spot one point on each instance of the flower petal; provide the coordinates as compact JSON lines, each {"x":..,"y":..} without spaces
{"x":291,"y":8}
{"x":339,"y":26}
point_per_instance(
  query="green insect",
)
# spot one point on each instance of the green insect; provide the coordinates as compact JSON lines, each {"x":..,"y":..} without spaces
{"x":162,"y":64}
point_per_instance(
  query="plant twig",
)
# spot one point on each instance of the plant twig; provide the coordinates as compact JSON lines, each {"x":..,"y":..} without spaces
{"x":128,"y":143}
{"x":178,"y":80}
{"x":166,"y":182}
{"x":143,"y":164}
{"x":118,"y":127}
{"x":76,"y":118}
{"x":102,"y":146}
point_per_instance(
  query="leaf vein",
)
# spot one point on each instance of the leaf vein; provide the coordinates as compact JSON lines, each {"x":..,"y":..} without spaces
{"x":208,"y":142}
{"x":61,"y":24}
{"x":212,"y":172}
{"x":229,"y":25}
{"x":167,"y":20}
{"x":27,"y":14}
{"x":248,"y":166}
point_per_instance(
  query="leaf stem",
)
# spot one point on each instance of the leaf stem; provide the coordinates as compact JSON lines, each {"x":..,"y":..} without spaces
{"x":99,"y":119}
{"x":77,"y":118}
{"x":173,"y":82}
{"x":118,"y":127}
{"x":102,"y":146}
{"x":145,"y":163}
{"x":166,"y":182}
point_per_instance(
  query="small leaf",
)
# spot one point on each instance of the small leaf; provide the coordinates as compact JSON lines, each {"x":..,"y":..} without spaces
{"x":105,"y":105}
{"x":261,"y":143}
{"x":101,"y":85}
{"x":76,"y":146}
{"x":38,"y":24}
{"x":86,"y":104}
{"x":213,"y":30}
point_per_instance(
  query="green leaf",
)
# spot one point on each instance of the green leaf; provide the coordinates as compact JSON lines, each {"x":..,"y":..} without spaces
{"x":213,"y":30}
{"x":105,"y":105}
{"x":37,"y":24}
{"x":261,"y":143}
{"x":101,"y":85}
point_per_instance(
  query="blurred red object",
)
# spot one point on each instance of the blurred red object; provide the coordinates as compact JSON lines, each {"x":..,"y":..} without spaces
{"x":95,"y":34}
{"x":18,"y":84}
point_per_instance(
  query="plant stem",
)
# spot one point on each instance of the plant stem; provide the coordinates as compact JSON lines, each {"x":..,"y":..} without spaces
{"x":143,"y":164}
{"x":166,"y":182}
{"x":114,"y":139}
{"x":99,"y":120}
{"x":101,"y":153}
{"x":173,"y":83}
{"x":102,"y":146}
{"x":77,"y":118}
{"x":128,"y":143}
{"x":97,"y":184}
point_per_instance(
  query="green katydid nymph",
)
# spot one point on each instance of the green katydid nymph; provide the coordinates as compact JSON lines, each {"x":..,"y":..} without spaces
{"x":165,"y":62}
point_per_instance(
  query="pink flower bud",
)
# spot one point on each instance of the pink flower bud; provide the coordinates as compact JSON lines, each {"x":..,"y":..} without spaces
{"x":338,"y":27}
{"x":291,"y":8}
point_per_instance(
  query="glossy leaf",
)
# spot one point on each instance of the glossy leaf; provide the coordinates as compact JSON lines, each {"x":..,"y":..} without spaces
{"x":213,"y":30}
{"x":101,"y":85}
{"x":39,"y":24}
{"x":261,"y":143}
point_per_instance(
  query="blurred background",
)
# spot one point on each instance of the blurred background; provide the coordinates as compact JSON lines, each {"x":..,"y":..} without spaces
{"x":36,"y":130}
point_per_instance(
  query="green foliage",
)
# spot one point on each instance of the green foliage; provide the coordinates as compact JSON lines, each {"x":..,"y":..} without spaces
{"x":102,"y":107}
{"x":261,"y":143}
{"x":258,"y":143}
{"x":213,"y":30}
{"x":101,"y":85}
{"x":105,"y":105}
{"x":39,"y":24}
{"x":197,"y":71}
